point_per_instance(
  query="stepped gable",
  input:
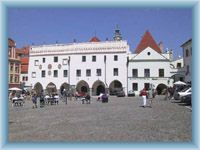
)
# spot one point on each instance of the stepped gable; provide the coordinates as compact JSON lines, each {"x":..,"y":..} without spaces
{"x":147,"y":41}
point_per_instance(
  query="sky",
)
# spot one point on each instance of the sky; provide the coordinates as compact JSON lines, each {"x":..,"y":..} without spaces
{"x":27,"y":26}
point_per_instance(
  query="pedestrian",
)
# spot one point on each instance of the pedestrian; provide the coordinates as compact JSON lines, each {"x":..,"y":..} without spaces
{"x":34,"y":100}
{"x":150,"y":96}
{"x":65,"y":95}
{"x":144,"y":96}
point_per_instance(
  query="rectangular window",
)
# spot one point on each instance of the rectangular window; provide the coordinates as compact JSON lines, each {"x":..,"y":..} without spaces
{"x":83,"y":58}
{"x":134,"y":86}
{"x":33,"y":74}
{"x":178,"y":65}
{"x":36,"y":62}
{"x":26,"y":78}
{"x":23,"y":78}
{"x":11,"y":68}
{"x":78,"y":73}
{"x":11,"y":79}
{"x":98,"y":72}
{"x":115,"y":71}
{"x":186,"y":52}
{"x":134,"y":73}
{"x":55,"y":73}
{"x":147,"y":73}
{"x":17,"y":69}
{"x":146,"y":85}
{"x":65,"y":61}
{"x":115,"y":58}
{"x":55,"y":59}
{"x":94,"y":58}
{"x":88,"y":72}
{"x":161,"y":73}
{"x":43,"y":60}
{"x":43,"y":73}
{"x":65,"y":73}
{"x":16,"y":80}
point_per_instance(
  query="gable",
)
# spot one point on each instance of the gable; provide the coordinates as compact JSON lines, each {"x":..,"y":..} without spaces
{"x":149,"y":54}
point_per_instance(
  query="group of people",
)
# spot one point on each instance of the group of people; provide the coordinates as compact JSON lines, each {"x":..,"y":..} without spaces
{"x":147,"y":95}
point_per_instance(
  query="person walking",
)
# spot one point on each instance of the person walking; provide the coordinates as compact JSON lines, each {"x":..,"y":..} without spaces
{"x":150,"y":96}
{"x":144,"y":97}
{"x":34,"y":100}
{"x":65,"y":95}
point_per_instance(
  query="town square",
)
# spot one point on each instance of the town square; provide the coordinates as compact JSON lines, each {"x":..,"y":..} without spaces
{"x":100,"y":75}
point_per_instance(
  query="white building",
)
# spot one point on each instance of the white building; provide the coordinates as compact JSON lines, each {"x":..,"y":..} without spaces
{"x":187,"y":59}
{"x":92,"y":67}
{"x":149,"y":66}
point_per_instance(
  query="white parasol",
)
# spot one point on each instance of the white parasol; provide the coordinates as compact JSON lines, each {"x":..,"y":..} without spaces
{"x":15,"y":89}
{"x":179,"y":83}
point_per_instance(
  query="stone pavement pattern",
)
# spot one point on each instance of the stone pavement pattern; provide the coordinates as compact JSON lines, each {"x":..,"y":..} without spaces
{"x":119,"y":120}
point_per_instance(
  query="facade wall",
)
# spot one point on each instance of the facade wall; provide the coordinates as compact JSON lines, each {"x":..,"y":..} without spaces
{"x":187,"y":58}
{"x":73,"y":53}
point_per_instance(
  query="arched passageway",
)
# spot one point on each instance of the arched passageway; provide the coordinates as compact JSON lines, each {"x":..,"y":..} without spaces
{"x":38,"y":89}
{"x":114,"y":87}
{"x":98,"y":87}
{"x":51,"y":88}
{"x":82,"y":86}
{"x":160,"y":88}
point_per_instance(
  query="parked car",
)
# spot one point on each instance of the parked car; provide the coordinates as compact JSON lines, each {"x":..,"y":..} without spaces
{"x":185,"y":92}
{"x":178,"y":94}
{"x":120,"y":94}
{"x":131,"y":93}
{"x":187,"y":99}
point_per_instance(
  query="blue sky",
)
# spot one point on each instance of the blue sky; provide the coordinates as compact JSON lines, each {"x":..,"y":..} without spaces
{"x":172,"y":26}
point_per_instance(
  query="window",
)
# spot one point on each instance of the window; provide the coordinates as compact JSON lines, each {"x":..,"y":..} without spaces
{"x":115,"y":71}
{"x":78,"y":73}
{"x":188,"y":70}
{"x":147,"y":73}
{"x":33,"y":74}
{"x":17,"y":69}
{"x":56,"y":59}
{"x":16,"y":80}
{"x":36,"y":62}
{"x":23,"y":78}
{"x":88,"y":72}
{"x":161,"y":72}
{"x":148,"y":53}
{"x":134,"y":73}
{"x":186,"y":52}
{"x":83,"y":58}
{"x":98,"y":72}
{"x":94,"y":58}
{"x":64,"y":61}
{"x":43,"y":73}
{"x":115,"y":58}
{"x":26,"y":78}
{"x":191,"y":51}
{"x":55,"y":73}
{"x":11,"y":79}
{"x":146,"y":85}
{"x":134,"y":86}
{"x":65,"y":73}
{"x":178,"y":65}
{"x":43,"y":60}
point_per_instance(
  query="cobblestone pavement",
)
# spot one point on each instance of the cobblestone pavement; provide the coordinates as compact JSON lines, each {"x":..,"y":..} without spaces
{"x":119,"y":120}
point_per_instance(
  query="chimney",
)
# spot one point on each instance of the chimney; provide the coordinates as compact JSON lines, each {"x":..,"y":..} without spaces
{"x":161,"y":46}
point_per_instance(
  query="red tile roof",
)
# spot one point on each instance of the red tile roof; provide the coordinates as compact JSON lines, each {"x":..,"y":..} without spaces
{"x":94,"y":39}
{"x":147,"y":41}
{"x":24,"y":50}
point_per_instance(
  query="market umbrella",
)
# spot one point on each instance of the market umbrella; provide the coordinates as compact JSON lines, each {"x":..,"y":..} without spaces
{"x":15,"y":89}
{"x":179,"y":83}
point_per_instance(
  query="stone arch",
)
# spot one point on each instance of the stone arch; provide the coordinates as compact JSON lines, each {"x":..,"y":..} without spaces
{"x":160,"y":88}
{"x":114,"y":87}
{"x":65,"y":86}
{"x":98,"y":87}
{"x":82,"y":86}
{"x":51,"y":88}
{"x":38,"y":89}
